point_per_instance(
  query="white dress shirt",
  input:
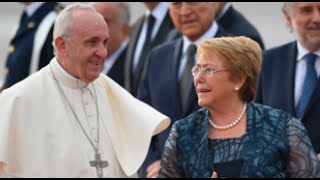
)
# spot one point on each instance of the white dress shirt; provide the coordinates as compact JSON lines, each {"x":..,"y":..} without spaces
{"x":301,"y":70}
{"x":159,"y":14}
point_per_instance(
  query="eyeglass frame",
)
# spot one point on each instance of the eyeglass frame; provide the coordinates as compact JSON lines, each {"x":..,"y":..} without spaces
{"x":202,"y":70}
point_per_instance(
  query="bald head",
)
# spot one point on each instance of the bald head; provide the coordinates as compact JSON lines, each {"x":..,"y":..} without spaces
{"x":71,"y":17}
{"x":118,"y":9}
{"x":116,"y":14}
{"x":80,"y":39}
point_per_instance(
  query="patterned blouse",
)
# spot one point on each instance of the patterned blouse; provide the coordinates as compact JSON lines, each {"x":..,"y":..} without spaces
{"x":275,"y":145}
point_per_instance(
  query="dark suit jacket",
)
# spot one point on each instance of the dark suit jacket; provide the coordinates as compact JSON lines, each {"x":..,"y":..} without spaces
{"x":18,"y":62}
{"x":117,"y":70}
{"x":235,"y":23}
{"x":276,"y":88}
{"x":160,"y":89}
{"x":132,"y":84}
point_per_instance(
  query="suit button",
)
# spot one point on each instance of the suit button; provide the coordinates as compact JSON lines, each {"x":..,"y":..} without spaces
{"x":11,"y":49}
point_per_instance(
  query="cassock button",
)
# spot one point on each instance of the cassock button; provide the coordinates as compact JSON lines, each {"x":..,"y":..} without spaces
{"x":11,"y":49}
{"x":31,"y":24}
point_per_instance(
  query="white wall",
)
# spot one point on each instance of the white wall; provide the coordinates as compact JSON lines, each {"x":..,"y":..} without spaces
{"x":266,"y":16}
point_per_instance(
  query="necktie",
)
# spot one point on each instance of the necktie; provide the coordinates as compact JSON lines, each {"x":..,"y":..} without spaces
{"x":24,"y":17}
{"x":308,"y":86}
{"x":186,"y":79}
{"x":151,"y":21}
{"x":137,"y":71}
{"x":146,"y":45}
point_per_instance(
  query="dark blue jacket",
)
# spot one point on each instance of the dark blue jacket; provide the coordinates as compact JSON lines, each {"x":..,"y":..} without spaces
{"x":233,"y":22}
{"x":276,"y":88}
{"x":19,"y":58}
{"x":132,"y":82}
{"x":117,"y":70}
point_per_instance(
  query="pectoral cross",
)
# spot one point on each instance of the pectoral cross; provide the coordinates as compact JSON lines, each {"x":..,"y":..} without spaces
{"x":99,"y":164}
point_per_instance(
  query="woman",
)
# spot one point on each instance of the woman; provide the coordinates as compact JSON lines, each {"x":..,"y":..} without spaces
{"x":231,"y":136}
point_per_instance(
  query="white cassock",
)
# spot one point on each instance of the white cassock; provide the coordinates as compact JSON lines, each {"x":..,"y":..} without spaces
{"x":40,"y":135}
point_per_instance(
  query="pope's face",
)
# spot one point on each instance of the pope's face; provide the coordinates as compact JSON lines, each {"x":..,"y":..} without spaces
{"x":86,"y":48}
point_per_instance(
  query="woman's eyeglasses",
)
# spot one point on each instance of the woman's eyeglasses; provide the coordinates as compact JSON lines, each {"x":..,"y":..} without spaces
{"x":207,"y":71}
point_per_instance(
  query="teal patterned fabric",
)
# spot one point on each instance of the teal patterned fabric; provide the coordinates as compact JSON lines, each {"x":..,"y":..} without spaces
{"x":275,"y":145}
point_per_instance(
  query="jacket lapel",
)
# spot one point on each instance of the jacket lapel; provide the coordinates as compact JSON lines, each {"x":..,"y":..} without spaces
{"x":164,"y":30}
{"x":130,"y":53}
{"x":290,"y":62}
{"x":176,"y":63}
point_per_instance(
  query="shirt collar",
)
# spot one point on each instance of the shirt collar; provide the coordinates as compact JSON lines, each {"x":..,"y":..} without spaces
{"x":224,"y":10}
{"x":302,"y":52}
{"x":212,"y":31}
{"x":158,"y":12}
{"x":64,"y":77}
{"x":113,"y":57}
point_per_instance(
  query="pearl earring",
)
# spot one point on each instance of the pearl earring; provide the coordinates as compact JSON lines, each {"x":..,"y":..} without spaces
{"x":236,"y":89}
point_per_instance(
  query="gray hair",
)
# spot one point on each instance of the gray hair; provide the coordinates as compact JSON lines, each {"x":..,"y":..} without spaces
{"x":287,"y":7}
{"x":124,"y":13}
{"x":64,"y":23}
{"x":287,"y":10}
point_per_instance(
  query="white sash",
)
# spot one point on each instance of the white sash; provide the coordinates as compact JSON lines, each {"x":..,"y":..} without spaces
{"x":39,"y":39}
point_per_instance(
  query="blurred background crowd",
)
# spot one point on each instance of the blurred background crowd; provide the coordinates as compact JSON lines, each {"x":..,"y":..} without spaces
{"x":265,"y":16}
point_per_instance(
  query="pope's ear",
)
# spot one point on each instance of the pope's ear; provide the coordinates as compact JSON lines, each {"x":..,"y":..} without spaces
{"x":60,"y":44}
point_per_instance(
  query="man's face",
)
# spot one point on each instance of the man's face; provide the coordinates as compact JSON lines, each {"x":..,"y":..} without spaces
{"x":111,"y":12}
{"x":304,"y":19}
{"x":86,"y":49}
{"x":193,"y":19}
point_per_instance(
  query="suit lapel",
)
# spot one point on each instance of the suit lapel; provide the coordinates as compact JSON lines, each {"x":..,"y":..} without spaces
{"x":117,"y":70}
{"x":164,"y":30}
{"x":130,"y":53}
{"x":176,"y":63}
{"x":289,"y":61}
{"x":226,"y":19}
{"x":162,"y":33}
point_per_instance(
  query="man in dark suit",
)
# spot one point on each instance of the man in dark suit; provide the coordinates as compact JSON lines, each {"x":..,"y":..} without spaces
{"x":31,"y":49}
{"x":167,"y":83}
{"x":287,"y":80}
{"x":233,"y":22}
{"x":117,"y":16}
{"x":138,"y":50}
